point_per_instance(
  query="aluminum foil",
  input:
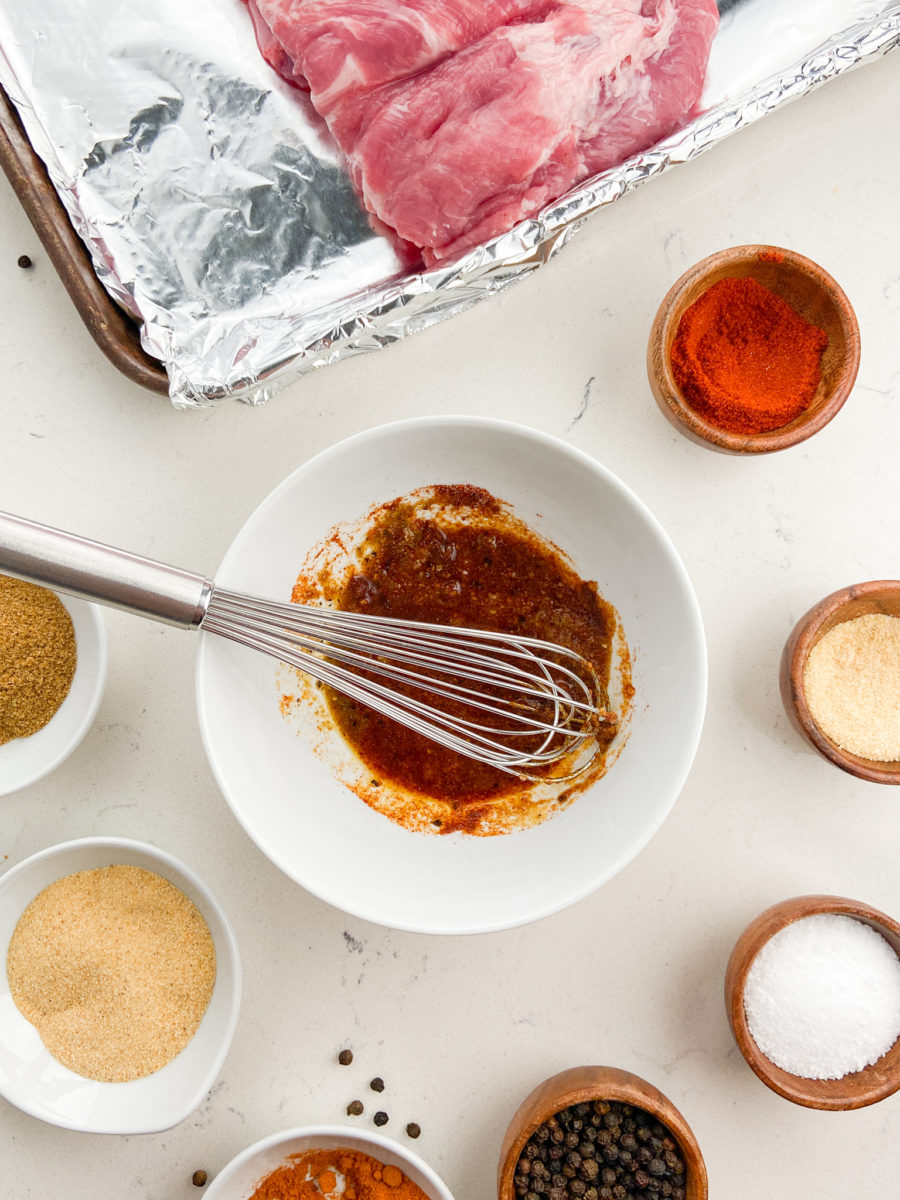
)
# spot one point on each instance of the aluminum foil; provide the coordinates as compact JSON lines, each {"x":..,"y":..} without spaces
{"x":215,"y":208}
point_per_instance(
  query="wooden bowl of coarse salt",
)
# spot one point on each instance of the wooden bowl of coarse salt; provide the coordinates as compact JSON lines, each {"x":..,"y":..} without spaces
{"x":812,"y":993}
{"x":840,"y":679}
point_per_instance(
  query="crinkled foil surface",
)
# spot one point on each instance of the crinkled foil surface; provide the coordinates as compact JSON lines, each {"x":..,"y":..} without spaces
{"x":214,"y":205}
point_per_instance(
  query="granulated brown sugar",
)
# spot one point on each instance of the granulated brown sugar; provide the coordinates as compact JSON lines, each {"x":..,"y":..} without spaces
{"x":37,"y":657}
{"x":114,"y":967}
{"x":852,"y":685}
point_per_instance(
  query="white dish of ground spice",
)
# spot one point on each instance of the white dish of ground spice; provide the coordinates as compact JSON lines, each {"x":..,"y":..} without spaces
{"x":53,"y":657}
{"x":120,"y":990}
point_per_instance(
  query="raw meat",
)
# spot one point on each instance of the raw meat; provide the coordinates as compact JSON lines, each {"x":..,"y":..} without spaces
{"x":463,"y":119}
{"x":339,"y":47}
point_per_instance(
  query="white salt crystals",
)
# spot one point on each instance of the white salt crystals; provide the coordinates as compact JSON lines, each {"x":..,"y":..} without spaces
{"x":822,"y":997}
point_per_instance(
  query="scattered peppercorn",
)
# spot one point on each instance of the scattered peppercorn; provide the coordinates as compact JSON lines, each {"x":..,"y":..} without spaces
{"x":381,"y":1118}
{"x":354,"y":1108}
{"x":24,"y":261}
{"x":345,"y":1058}
{"x":413,"y":1130}
{"x":199,"y":1178}
{"x":603,"y":1150}
{"x":377,"y":1084}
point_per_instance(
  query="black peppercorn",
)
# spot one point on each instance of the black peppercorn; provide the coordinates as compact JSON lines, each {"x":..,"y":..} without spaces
{"x":381,"y":1118}
{"x":354,"y":1108}
{"x":345,"y":1058}
{"x":590,"y":1169}
{"x":413,"y":1131}
{"x":377,"y":1084}
{"x":25,"y":262}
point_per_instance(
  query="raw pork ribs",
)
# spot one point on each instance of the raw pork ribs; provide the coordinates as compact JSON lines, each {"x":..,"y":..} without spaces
{"x":459,"y":118}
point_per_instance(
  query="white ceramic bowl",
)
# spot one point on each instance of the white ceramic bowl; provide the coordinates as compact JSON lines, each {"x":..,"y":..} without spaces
{"x":26,"y":760}
{"x":34,"y":1081}
{"x":320,"y":833}
{"x":240,"y":1178}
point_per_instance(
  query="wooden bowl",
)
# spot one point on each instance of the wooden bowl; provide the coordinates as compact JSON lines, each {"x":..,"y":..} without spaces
{"x":860,"y":599}
{"x":810,"y":291}
{"x":852,"y":1091}
{"x":580,"y":1084}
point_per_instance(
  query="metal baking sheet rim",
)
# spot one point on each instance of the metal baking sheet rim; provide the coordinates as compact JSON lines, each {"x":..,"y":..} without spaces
{"x":376,"y":318}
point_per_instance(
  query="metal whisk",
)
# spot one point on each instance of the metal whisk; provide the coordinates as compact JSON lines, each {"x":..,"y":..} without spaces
{"x":515,"y":703}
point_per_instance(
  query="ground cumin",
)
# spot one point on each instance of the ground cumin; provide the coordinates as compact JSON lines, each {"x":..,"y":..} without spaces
{"x":37,"y":657}
{"x":333,"y":1174}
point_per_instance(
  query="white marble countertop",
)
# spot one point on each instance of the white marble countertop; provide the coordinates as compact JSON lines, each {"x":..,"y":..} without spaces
{"x":462,"y":1028}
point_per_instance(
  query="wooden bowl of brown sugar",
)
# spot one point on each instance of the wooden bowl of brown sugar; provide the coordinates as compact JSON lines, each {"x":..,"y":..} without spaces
{"x":613,"y":1107}
{"x":826,"y":708}
{"x":715,"y":417}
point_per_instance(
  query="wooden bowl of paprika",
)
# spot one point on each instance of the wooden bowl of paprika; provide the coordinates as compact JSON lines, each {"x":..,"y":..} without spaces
{"x":752,"y":350}
{"x":625,"y":1126}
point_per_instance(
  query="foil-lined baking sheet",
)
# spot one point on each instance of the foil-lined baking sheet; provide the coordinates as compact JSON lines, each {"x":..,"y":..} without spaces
{"x":215,"y":208}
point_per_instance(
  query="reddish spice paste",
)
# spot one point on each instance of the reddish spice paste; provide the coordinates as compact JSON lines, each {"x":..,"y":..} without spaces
{"x":480,"y":573}
{"x":745,"y":360}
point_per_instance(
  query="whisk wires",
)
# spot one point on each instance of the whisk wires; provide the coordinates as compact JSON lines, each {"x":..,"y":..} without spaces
{"x":518,"y":704}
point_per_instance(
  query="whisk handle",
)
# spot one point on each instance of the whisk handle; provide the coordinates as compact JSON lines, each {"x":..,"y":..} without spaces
{"x":94,"y":571}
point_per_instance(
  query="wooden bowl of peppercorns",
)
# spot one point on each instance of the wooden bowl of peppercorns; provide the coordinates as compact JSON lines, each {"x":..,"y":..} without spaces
{"x":752,"y":350}
{"x":599,"y":1133}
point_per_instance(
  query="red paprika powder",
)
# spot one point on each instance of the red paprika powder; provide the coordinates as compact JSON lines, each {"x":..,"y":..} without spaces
{"x":744,"y":359}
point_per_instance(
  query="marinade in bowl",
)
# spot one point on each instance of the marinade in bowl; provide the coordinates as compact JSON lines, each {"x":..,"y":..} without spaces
{"x":454,"y":554}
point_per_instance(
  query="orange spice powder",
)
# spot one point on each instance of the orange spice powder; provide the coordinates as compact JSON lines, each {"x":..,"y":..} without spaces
{"x":744,"y":359}
{"x":318,"y":1174}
